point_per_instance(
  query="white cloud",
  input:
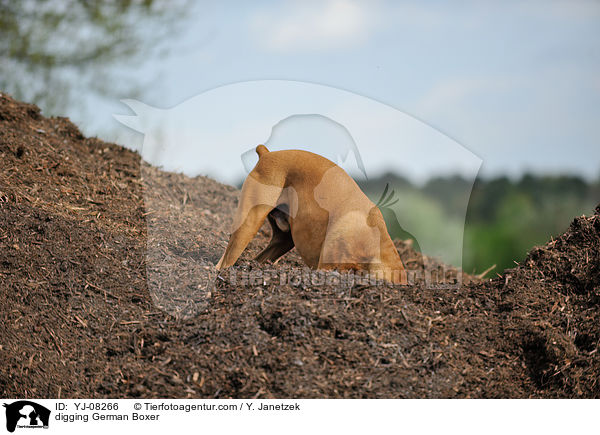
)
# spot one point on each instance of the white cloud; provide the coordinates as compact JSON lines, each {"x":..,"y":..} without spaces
{"x":313,"y":25}
{"x":454,"y":92}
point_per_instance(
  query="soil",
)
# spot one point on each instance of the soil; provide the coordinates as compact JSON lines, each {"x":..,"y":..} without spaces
{"x":107,"y":290}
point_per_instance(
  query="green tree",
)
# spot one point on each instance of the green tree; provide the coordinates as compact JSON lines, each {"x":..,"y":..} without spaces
{"x":52,"y":49}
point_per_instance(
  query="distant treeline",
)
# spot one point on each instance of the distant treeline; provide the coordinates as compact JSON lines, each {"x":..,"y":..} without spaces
{"x":505,"y":218}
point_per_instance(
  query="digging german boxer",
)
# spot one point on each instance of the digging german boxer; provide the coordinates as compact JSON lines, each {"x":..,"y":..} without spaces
{"x":313,"y":204}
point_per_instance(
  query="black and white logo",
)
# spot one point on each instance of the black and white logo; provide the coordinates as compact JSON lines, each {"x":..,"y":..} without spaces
{"x":26,"y":414}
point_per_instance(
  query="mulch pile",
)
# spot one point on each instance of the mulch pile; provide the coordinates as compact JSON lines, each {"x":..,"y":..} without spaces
{"x":107,"y":290}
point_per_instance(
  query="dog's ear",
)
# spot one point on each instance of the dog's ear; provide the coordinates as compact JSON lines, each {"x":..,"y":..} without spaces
{"x":260,"y":150}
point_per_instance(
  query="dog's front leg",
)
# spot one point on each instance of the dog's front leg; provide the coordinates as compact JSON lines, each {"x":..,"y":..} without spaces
{"x":256,"y":202}
{"x":281,"y":242}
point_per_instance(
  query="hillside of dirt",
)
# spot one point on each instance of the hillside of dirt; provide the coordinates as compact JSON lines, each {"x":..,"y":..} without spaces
{"x":104,"y":265}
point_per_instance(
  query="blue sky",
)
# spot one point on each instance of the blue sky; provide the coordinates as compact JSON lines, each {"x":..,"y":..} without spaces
{"x":516,"y":83}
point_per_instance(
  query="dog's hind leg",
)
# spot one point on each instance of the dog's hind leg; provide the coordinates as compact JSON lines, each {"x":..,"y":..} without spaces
{"x":256,"y":202}
{"x":281,"y":242}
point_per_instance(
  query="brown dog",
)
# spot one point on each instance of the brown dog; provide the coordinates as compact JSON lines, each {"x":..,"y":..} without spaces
{"x":314,"y":205}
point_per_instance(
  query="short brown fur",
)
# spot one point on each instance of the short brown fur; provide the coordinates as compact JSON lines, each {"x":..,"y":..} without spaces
{"x":330,"y":221}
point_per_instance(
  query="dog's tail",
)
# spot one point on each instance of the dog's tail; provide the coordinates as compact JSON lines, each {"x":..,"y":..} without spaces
{"x":260,"y":150}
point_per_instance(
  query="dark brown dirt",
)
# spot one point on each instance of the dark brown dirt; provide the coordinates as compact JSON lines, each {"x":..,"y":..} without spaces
{"x":98,"y":261}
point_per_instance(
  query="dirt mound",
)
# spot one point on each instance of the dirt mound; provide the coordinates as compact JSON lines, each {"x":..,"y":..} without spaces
{"x":552,"y":307}
{"x":92,"y":241}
